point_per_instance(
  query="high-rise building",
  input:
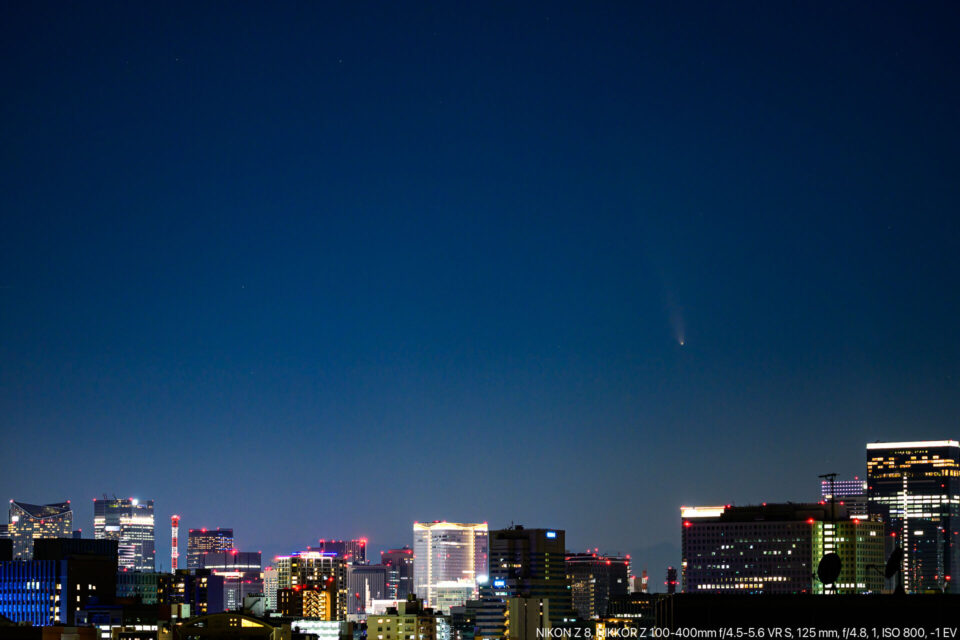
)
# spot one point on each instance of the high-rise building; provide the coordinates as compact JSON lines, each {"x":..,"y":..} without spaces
{"x":313,"y":603}
{"x":594,"y":579}
{"x":527,"y":618}
{"x":201,"y":541}
{"x":409,"y":619}
{"x":313,"y":569}
{"x":850,"y":493}
{"x":29,"y":522}
{"x":529,"y":564}
{"x":915,"y":488}
{"x":399,"y":564}
{"x":448,"y":555}
{"x":365,"y":583}
{"x":776,"y":548}
{"x":63,"y":576}
{"x":129,"y":522}
{"x":270,"y":587}
{"x":353,"y":551}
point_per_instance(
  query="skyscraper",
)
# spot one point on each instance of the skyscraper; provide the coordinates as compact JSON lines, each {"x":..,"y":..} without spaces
{"x":353,"y":551}
{"x":594,"y":579}
{"x":129,"y":522}
{"x":915,"y":488}
{"x":529,"y":564}
{"x":365,"y":583}
{"x":448,"y":556}
{"x":775,"y":549}
{"x":313,"y":569}
{"x":29,"y":522}
{"x":399,"y":564}
{"x":201,"y":541}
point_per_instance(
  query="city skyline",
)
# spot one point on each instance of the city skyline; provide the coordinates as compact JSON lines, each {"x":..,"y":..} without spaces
{"x":474,"y":262}
{"x":847,"y":481}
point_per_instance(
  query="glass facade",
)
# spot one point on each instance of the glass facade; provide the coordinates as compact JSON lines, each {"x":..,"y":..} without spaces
{"x":130,"y":523}
{"x":399,"y":564}
{"x":448,"y":552}
{"x":915,"y":488}
{"x":29,"y":522}
{"x":202,"y":541}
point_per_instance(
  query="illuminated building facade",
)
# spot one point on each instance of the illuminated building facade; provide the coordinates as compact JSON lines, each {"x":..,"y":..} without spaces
{"x":65,"y":575}
{"x":233,"y":561}
{"x":527,"y":618}
{"x":202,"y":541}
{"x":770,"y":548}
{"x":29,"y":522}
{"x":525,"y":564}
{"x":915,"y":488}
{"x":270,"y":587}
{"x":409,"y":619}
{"x":353,"y":551}
{"x":399,"y":564}
{"x":365,"y":583}
{"x":313,"y":569}
{"x":860,"y":545}
{"x":594,"y":579}
{"x":129,"y":522}
{"x":850,"y":493}
{"x":306,"y":602}
{"x":448,"y":552}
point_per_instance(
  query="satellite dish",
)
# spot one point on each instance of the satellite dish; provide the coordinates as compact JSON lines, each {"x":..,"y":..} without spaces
{"x":829,"y":568}
{"x":894,"y":563}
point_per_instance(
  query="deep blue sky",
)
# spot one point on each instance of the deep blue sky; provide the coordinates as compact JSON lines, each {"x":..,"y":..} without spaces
{"x":321,"y":270}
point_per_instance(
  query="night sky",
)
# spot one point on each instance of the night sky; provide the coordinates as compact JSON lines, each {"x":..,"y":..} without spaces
{"x":323,"y":269}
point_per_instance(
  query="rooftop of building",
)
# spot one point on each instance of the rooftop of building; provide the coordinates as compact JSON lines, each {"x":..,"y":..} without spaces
{"x":43,"y":510}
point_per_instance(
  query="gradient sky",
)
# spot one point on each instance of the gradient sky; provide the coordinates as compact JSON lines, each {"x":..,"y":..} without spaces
{"x":323,"y":269}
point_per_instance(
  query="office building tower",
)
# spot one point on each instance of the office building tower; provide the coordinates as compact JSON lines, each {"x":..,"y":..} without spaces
{"x":6,"y":549}
{"x":62,"y":578}
{"x":399,"y":564}
{"x":139,"y":586}
{"x":353,"y":551}
{"x":29,"y":522}
{"x":409,"y":619}
{"x":914,"y":487}
{"x":859,"y":543}
{"x":314,"y":569}
{"x":775,"y":549}
{"x":594,"y":579}
{"x":448,"y":555}
{"x":201,"y":541}
{"x":527,"y":618}
{"x":365,"y":583}
{"x":130,"y":522}
{"x":270,"y":587}
{"x":529,"y":564}
{"x":852,"y":494}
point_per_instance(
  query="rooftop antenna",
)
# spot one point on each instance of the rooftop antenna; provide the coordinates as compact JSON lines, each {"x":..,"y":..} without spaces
{"x":833,"y":496}
{"x":828,"y":570}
